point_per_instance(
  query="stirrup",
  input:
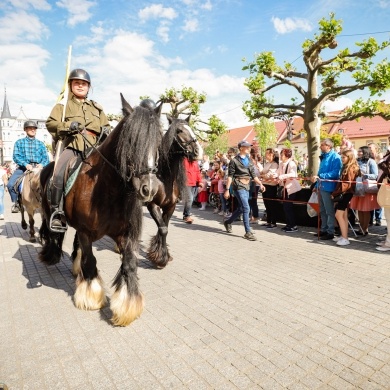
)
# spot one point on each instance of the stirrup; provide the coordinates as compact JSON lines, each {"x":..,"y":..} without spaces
{"x":57,"y":229}
{"x":15,"y":208}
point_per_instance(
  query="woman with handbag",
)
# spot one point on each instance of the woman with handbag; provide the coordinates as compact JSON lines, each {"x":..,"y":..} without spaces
{"x":344,"y":192}
{"x":269,"y":179}
{"x":365,"y":204}
{"x":287,"y":176}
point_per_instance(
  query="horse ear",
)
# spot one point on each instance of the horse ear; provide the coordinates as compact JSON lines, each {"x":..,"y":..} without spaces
{"x":170,"y":119}
{"x":158,"y":109}
{"x":188,"y":119}
{"x":126,"y":108}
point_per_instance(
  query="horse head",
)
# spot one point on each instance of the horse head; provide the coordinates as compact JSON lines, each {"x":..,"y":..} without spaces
{"x":185,"y":138}
{"x":137,"y":149}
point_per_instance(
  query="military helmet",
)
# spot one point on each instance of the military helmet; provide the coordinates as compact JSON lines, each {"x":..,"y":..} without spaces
{"x":29,"y":124}
{"x":79,"y":74}
{"x":148,"y":103}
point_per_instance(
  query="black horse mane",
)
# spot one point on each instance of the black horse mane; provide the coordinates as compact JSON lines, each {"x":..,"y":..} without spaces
{"x":170,"y":154}
{"x":133,"y":129}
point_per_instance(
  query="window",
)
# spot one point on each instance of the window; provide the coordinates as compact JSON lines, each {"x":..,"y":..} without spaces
{"x":302,"y":135}
{"x":341,"y":131}
{"x":382,"y":145}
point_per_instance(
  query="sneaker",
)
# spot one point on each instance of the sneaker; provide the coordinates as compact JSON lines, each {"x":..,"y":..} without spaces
{"x":327,"y":237}
{"x":343,"y":241}
{"x":380,"y":243}
{"x":335,"y":239}
{"x":228,"y":227}
{"x":291,"y":229}
{"x":216,"y":211}
{"x":383,"y":248}
{"x":202,"y":209}
{"x":271,"y":226}
{"x":1,"y":216}
{"x":15,"y":208}
{"x":188,"y":220}
{"x":322,"y":234}
{"x":254,"y":222}
{"x":250,"y":236}
{"x":221,"y":213}
{"x":378,"y":222}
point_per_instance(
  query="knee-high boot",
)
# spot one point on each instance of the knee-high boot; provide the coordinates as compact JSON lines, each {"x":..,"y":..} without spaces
{"x":56,"y":223}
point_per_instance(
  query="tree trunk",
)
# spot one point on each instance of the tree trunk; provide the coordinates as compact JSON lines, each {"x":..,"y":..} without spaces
{"x":313,"y":129}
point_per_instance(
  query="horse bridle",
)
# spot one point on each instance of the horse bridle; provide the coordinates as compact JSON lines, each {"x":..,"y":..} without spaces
{"x":147,"y":171}
{"x":184,"y":145}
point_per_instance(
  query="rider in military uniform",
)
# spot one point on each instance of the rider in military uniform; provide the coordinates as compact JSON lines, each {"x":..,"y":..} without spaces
{"x":81,"y":116}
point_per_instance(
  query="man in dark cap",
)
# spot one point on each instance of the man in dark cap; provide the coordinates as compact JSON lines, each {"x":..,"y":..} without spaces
{"x":241,"y":172}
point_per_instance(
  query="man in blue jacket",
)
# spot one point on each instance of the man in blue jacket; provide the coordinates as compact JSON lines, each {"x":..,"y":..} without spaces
{"x":326,"y":181}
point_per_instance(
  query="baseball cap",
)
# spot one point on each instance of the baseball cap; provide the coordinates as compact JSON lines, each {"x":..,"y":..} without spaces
{"x":244,"y":143}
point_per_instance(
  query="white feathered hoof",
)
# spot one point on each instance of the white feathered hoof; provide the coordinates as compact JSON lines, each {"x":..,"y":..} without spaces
{"x":89,"y":295}
{"x":126,"y":308}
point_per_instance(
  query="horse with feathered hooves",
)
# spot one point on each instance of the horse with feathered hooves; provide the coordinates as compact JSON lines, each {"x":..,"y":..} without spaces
{"x":106,"y":198}
{"x":30,"y":199}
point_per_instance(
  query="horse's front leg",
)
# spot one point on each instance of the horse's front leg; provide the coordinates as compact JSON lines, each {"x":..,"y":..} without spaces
{"x":127,"y":302}
{"x":89,"y":294}
{"x":158,"y":251}
{"x":76,"y":256}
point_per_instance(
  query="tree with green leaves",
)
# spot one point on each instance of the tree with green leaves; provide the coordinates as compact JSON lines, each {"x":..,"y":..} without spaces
{"x":266,"y":134}
{"x":320,"y":82}
{"x":187,"y":101}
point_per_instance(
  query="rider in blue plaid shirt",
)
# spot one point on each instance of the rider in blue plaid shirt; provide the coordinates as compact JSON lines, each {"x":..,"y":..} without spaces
{"x":28,"y":153}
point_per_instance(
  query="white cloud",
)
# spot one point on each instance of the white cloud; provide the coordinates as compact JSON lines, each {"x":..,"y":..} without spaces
{"x":156,"y":11}
{"x":338,"y":104}
{"x":163,"y":32}
{"x":191,"y":25}
{"x":26,"y":4}
{"x":21,"y":26}
{"x":384,"y":4}
{"x":284,"y":26}
{"x":79,"y":10}
{"x":207,"y":5}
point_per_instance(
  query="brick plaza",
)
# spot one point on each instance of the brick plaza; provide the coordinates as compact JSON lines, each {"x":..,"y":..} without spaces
{"x":285,"y":312}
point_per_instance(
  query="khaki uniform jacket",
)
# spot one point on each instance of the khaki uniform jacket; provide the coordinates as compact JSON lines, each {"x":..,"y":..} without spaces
{"x":88,"y":113}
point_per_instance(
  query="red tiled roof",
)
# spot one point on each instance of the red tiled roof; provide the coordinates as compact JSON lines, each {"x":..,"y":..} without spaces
{"x":364,"y":128}
{"x":241,"y":133}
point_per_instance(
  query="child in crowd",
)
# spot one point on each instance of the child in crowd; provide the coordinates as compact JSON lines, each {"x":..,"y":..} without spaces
{"x":202,"y":194}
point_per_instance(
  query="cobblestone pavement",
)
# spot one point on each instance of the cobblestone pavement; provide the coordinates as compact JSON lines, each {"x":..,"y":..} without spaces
{"x":285,"y":312}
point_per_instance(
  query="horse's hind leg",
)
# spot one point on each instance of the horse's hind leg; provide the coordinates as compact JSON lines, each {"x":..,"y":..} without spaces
{"x":32,"y":228}
{"x":127,"y":302}
{"x":89,"y":294}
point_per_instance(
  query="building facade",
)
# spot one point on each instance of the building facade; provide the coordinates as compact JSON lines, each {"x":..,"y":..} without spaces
{"x":11,"y":129}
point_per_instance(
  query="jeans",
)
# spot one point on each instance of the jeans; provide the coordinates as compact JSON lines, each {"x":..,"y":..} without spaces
{"x":242,"y":197}
{"x":327,"y":212}
{"x":2,"y":199}
{"x":188,"y":199}
{"x":223,"y":203}
{"x":11,"y":183}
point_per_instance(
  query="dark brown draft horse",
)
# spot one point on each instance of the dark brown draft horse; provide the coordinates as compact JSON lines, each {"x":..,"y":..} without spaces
{"x":178,"y":142}
{"x":106,"y":199}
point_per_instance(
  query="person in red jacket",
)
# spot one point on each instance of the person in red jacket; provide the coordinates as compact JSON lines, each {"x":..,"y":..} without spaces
{"x":194,"y":180}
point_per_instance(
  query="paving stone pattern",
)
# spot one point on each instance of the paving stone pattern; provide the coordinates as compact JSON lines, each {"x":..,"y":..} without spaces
{"x":284,"y":312}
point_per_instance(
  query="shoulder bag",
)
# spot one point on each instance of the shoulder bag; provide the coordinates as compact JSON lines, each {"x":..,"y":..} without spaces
{"x":280,"y":188}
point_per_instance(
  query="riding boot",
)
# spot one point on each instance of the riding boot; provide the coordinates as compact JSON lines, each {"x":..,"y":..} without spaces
{"x":57,"y":213}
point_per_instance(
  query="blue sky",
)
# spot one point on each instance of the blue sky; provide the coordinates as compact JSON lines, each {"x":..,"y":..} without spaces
{"x":143,"y":47}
